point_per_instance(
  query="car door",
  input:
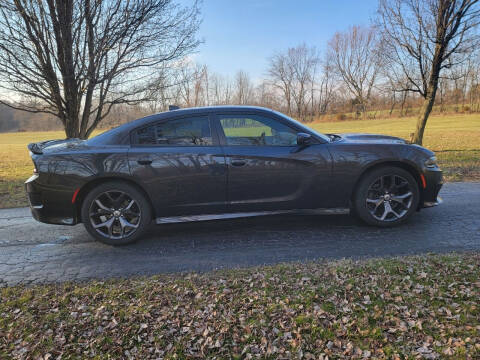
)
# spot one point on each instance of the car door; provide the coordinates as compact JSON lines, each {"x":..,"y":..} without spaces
{"x":267,"y":170}
{"x":181,"y":166}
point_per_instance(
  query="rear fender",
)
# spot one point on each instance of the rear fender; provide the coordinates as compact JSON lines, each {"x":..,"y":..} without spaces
{"x":87,"y":187}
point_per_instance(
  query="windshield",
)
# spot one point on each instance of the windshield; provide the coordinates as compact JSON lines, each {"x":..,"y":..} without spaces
{"x":306,"y":128}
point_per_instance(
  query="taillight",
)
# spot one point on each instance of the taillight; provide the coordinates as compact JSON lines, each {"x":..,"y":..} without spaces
{"x":35,"y":168}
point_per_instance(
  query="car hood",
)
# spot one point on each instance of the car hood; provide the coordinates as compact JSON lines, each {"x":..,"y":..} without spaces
{"x":371,"y":138}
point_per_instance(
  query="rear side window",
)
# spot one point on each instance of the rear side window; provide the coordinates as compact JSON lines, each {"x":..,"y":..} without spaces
{"x":179,"y":132}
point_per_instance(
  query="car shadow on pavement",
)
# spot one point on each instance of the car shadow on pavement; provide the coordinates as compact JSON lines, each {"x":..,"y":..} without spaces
{"x":264,"y":229}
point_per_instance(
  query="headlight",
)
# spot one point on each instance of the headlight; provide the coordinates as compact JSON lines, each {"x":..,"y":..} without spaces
{"x":431,"y":162}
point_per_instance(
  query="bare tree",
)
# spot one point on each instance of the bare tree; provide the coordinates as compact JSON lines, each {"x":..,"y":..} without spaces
{"x":395,"y":85}
{"x":323,"y":88}
{"x":192,"y":85}
{"x":76,"y":59}
{"x":423,"y":37}
{"x":168,"y":88}
{"x":354,"y":58}
{"x":281,"y":75}
{"x":474,"y":84}
{"x":461,"y":75}
{"x":304,"y":62}
{"x":221,"y":90}
{"x":293,"y":73}
{"x":243,"y":87}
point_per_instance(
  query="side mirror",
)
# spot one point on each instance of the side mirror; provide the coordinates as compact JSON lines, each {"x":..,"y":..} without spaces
{"x":303,"y":139}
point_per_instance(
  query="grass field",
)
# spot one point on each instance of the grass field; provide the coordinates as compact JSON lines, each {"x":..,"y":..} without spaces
{"x":417,"y":307}
{"x":16,"y":165}
{"x":455,"y":139}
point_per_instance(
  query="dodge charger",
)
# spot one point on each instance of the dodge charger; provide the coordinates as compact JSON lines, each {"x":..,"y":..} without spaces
{"x":225,"y":162}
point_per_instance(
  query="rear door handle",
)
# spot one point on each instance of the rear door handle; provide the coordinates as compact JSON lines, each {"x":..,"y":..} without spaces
{"x":238,"y":162}
{"x":144,"y":161}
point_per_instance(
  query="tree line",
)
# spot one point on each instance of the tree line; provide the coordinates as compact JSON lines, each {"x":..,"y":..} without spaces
{"x":85,"y":62}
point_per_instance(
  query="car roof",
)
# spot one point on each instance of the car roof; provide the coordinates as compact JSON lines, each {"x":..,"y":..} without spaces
{"x":194,"y":110}
{"x":219,"y":107}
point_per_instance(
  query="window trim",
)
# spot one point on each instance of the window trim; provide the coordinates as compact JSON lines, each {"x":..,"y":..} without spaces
{"x":215,"y":140}
{"x":223,"y":138}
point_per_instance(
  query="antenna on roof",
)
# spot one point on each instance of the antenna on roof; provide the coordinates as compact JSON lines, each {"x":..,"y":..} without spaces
{"x":173,"y":107}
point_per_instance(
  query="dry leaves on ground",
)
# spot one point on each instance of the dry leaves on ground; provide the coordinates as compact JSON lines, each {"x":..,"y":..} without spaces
{"x":413,"y":307}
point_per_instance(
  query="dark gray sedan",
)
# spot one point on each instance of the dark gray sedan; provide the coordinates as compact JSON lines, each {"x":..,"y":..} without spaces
{"x":225,"y":162}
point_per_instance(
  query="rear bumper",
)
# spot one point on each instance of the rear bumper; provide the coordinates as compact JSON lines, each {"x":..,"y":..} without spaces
{"x":48,"y":205}
{"x":433,"y":182}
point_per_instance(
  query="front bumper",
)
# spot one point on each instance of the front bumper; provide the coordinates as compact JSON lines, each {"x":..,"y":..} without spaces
{"x":427,"y":204}
{"x":433,"y":184}
{"x":51,"y":206}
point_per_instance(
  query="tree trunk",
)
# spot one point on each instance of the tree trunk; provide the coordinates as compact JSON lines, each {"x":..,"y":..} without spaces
{"x":393,"y":104}
{"x":83,"y":134}
{"x":71,"y":128}
{"x":425,"y":111}
{"x":404,"y":99}
{"x":427,"y":105}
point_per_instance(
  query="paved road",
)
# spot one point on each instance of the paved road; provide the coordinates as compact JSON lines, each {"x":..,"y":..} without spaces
{"x":31,"y":252}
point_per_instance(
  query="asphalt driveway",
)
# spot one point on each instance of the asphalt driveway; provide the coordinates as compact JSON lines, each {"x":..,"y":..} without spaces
{"x":31,"y":252}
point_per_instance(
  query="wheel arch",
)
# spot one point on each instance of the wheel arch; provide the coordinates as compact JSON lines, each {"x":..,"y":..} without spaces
{"x":395,"y":163}
{"x":87,"y":187}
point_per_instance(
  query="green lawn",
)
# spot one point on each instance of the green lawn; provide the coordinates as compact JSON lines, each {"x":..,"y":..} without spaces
{"x":16,"y":165}
{"x":401,"y":308}
{"x":443,"y":133}
{"x":455,"y":138}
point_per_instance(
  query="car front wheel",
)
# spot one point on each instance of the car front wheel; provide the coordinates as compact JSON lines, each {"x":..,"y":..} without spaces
{"x":116,"y":213}
{"x":386,"y":196}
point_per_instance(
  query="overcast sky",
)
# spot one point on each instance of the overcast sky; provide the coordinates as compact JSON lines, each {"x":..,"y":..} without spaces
{"x":242,"y":34}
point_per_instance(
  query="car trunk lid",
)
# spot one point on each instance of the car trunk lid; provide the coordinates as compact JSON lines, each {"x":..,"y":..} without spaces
{"x":53,"y":145}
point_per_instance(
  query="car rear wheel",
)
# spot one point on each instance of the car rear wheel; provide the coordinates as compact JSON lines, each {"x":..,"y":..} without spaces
{"x":386,"y":196}
{"x":116,"y":213}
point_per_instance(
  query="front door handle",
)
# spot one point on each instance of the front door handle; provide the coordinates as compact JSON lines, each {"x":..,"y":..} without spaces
{"x":238,"y":162}
{"x":144,"y":161}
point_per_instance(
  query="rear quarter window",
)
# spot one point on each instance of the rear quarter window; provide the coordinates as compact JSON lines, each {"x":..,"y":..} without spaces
{"x":191,"y":131}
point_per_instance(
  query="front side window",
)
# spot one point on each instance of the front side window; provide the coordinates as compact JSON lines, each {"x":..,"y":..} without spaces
{"x":256,"y":130}
{"x":178,"y":132}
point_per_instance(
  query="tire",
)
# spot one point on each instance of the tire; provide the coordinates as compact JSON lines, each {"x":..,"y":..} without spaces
{"x":116,"y":213}
{"x":386,"y":196}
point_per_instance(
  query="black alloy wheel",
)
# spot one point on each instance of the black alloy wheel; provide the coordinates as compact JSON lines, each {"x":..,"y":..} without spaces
{"x":386,"y":196}
{"x":116,"y":213}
